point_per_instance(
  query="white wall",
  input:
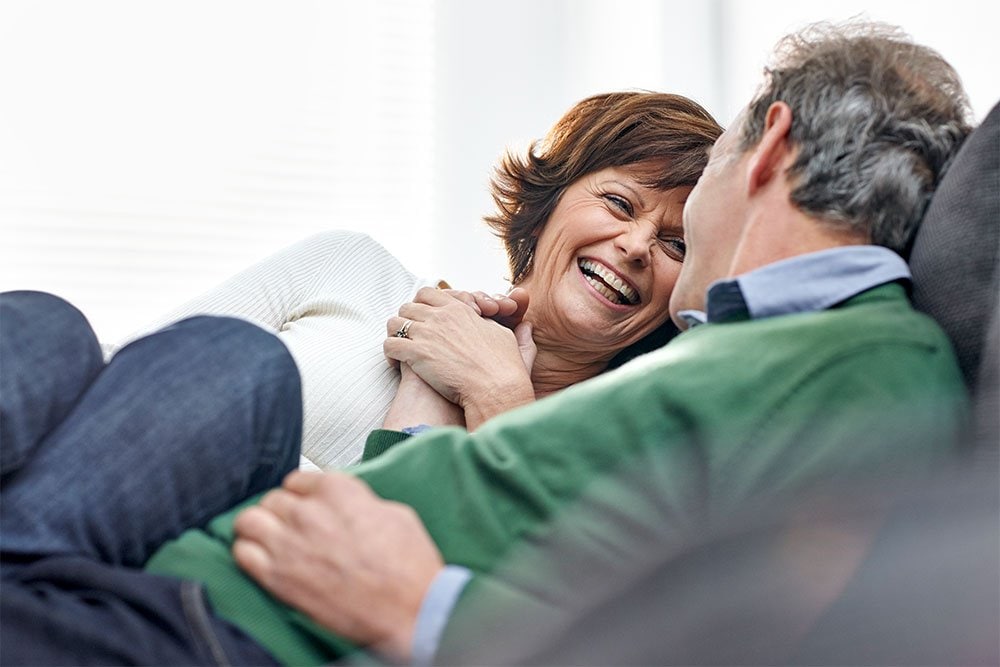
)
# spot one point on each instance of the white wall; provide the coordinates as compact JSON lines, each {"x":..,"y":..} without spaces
{"x":963,"y":31}
{"x":148,"y":150}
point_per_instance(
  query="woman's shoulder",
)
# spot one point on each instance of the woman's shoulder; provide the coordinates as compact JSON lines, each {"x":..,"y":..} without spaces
{"x":341,"y":240}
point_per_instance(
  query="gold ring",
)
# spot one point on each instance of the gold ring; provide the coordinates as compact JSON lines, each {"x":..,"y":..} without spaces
{"x":404,"y":329}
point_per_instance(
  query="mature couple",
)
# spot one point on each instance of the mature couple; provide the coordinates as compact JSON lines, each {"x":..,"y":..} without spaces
{"x":802,"y":361}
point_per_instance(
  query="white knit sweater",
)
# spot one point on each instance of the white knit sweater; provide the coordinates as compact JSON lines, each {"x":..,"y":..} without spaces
{"x":327,"y":298}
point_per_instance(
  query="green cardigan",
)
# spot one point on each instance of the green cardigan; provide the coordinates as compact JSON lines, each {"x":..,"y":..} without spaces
{"x":720,"y":415}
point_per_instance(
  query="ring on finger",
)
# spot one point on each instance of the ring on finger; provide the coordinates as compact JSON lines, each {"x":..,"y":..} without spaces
{"x":404,"y":330}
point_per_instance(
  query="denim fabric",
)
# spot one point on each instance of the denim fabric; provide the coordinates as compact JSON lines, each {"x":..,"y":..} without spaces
{"x":110,"y":462}
{"x":48,"y":356}
{"x":73,"y":611}
{"x":103,"y":463}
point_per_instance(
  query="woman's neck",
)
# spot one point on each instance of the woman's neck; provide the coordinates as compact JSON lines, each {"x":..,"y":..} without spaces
{"x":556,"y":369}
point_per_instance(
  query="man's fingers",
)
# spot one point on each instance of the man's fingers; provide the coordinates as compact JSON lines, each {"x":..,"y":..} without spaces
{"x":279,"y":502}
{"x":337,"y":486}
{"x":342,"y":489}
{"x":303,"y":482}
{"x":254,"y":559}
{"x":258,"y":524}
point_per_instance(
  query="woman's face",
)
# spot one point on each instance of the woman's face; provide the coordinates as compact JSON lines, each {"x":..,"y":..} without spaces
{"x":605,"y":263}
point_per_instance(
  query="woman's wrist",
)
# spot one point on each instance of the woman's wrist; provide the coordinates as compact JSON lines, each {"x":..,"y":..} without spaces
{"x":483,"y":405}
{"x":416,"y":403}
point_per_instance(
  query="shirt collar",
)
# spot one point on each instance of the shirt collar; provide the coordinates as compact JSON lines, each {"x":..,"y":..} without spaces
{"x":810,"y":282}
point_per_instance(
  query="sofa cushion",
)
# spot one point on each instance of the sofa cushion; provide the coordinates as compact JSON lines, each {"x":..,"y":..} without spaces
{"x":955,"y":253}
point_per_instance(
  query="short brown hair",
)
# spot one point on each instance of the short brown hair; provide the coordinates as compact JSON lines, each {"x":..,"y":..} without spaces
{"x":665,"y":136}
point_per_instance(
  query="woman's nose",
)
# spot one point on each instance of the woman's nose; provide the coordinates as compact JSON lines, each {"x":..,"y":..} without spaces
{"x":636,"y":244}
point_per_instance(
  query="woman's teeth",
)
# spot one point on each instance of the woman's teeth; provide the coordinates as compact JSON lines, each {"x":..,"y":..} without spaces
{"x":608,"y":284}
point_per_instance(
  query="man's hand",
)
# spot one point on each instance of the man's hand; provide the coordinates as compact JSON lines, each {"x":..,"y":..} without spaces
{"x":356,"y":564}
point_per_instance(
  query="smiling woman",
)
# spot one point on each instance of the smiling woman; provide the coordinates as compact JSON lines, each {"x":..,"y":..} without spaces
{"x":590,"y":217}
{"x":605,"y":186}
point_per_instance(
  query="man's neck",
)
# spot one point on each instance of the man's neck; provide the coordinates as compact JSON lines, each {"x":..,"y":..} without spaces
{"x":782,"y":232}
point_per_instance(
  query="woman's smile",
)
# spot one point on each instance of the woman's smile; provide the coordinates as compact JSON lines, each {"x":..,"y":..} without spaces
{"x":606,"y":261}
{"x":608,"y":285}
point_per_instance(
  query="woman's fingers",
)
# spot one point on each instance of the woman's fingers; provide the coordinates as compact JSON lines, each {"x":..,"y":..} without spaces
{"x":470,"y":299}
{"x":506,"y":309}
{"x":514,"y":305}
{"x":526,"y":345}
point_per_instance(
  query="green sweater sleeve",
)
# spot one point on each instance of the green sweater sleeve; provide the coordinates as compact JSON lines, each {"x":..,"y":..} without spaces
{"x":479,"y":493}
{"x":380,"y":441}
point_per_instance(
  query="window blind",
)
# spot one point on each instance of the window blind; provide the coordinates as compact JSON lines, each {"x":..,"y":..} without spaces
{"x":150,"y":150}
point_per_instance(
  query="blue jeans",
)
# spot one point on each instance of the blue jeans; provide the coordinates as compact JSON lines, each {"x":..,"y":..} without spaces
{"x":101,"y":464}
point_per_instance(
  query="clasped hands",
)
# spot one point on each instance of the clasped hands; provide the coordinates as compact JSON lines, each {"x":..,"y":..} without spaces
{"x":472,"y":349}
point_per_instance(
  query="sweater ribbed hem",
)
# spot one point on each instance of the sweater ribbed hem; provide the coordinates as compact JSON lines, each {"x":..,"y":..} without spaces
{"x":380,"y":441}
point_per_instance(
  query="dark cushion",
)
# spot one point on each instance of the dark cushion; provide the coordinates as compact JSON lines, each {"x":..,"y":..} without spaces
{"x":955,"y":254}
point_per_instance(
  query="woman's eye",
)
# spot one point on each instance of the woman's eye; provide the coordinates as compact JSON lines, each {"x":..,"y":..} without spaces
{"x":622,"y":204}
{"x":674,"y":247}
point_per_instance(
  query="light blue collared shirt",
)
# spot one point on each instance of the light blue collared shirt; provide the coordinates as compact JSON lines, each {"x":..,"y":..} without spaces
{"x":811,"y":282}
{"x":435,"y":611}
{"x":806,"y":283}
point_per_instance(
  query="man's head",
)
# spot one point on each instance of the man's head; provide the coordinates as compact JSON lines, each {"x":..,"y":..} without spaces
{"x":844,"y":142}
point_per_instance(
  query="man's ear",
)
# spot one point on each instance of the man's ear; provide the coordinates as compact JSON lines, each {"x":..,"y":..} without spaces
{"x":769,"y":155}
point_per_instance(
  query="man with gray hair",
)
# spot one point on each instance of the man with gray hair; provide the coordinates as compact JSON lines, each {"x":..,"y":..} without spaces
{"x":804,"y":363}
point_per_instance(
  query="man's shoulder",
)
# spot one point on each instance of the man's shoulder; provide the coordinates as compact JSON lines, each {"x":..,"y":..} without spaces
{"x":881,"y":316}
{"x":876,"y":340}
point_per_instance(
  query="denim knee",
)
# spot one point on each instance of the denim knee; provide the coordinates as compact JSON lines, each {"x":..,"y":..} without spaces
{"x":257,"y":360}
{"x":49,"y":355}
{"x":37,"y":320}
{"x":248,"y":350}
{"x":245,"y":352}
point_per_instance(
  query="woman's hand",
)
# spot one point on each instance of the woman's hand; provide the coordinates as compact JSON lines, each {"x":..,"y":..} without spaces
{"x":477,"y":363}
{"x":416,"y":403}
{"x":506,"y":309}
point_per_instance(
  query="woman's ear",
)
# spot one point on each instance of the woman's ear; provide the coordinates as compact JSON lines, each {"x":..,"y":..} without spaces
{"x":768,"y":158}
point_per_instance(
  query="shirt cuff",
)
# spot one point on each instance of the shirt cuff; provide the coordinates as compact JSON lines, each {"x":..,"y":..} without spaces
{"x":435,"y":611}
{"x":692,"y":317}
{"x":380,"y":441}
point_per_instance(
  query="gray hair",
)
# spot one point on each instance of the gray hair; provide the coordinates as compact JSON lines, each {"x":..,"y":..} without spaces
{"x":876,"y":120}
